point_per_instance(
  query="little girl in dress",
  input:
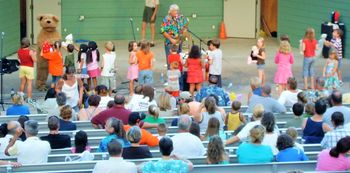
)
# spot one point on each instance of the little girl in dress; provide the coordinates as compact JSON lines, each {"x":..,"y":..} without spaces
{"x":92,"y":63}
{"x":284,"y":60}
{"x":133,"y":70}
{"x":82,"y":61}
{"x":330,"y":71}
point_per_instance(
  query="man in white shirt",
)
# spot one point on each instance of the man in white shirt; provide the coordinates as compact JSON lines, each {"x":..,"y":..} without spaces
{"x":289,"y":96}
{"x":115,"y":163}
{"x":32,"y":150}
{"x":185,"y":144}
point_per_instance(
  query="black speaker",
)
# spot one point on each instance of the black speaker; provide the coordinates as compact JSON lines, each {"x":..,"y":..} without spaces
{"x":9,"y":66}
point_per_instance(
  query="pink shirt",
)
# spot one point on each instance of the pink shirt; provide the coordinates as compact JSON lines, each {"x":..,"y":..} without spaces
{"x":94,"y":64}
{"x":326,"y":162}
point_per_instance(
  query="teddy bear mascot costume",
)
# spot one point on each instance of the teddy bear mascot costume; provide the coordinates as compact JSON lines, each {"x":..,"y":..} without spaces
{"x":47,"y":35}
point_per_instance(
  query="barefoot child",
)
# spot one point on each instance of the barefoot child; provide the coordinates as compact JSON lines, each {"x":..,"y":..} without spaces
{"x":133,"y":70}
{"x":284,"y":60}
{"x":55,"y":63}
{"x":108,"y":67}
{"x":330,"y":71}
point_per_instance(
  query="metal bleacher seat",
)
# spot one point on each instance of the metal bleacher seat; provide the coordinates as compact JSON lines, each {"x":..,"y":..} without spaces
{"x":37,"y":117}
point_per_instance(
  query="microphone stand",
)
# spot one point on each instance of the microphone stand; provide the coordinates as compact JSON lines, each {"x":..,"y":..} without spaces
{"x":200,"y":39}
{"x":132,"y":27}
{"x":2,"y":71}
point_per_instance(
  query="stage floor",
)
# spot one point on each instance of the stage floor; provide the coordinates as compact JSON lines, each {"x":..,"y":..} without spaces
{"x":235,"y":68}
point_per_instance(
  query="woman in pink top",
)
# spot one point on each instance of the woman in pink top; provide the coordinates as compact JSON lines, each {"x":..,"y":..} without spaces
{"x":284,"y":60}
{"x":335,"y":159}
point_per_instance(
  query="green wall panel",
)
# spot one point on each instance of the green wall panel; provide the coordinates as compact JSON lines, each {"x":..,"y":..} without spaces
{"x":109,"y":19}
{"x":9,"y":23}
{"x":294,"y":16}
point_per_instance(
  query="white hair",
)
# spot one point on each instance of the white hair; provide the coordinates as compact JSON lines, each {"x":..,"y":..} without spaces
{"x":173,"y":7}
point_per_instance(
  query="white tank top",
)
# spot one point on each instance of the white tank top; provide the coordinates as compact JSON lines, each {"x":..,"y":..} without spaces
{"x":72,"y":93}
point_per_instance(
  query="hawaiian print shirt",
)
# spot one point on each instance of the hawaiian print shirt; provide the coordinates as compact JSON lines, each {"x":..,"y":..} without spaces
{"x":224,"y":98}
{"x":173,"y":26}
{"x":165,"y":166}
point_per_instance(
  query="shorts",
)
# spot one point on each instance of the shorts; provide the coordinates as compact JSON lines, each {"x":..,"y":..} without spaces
{"x":94,"y":73}
{"x":147,"y":15}
{"x":260,"y":66}
{"x":108,"y":81}
{"x":55,"y":79}
{"x":340,"y":62}
{"x":308,"y":67}
{"x":145,"y":77}
{"x":27,"y":72}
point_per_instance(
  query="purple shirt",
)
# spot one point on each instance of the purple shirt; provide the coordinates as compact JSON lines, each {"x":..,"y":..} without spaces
{"x":326,"y":162}
{"x":117,"y":111}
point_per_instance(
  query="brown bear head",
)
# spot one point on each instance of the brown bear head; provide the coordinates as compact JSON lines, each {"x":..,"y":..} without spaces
{"x":48,"y":22}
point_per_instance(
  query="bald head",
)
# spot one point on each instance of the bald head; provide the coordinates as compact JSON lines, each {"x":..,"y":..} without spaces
{"x":266,"y":90}
{"x":12,"y":126}
{"x":184,"y":123}
{"x":336,"y":98}
{"x":119,"y":100}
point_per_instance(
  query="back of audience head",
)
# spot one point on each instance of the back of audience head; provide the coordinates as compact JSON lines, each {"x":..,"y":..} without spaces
{"x":80,"y":141}
{"x":213,"y":127}
{"x":320,"y":82}
{"x":138,"y":89}
{"x":162,"y":129}
{"x":51,"y":93}
{"x":153,"y":110}
{"x":292,"y":83}
{"x":166,"y":146}
{"x":343,"y":147}
{"x":298,"y":109}
{"x":134,"y":135}
{"x":302,"y":98}
{"x":110,"y":104}
{"x":61,"y":99}
{"x":148,"y":91}
{"x":119,"y":100}
{"x":266,"y":90}
{"x":255,"y":83}
{"x":337,"y":119}
{"x":66,"y":112}
{"x":293,"y":133}
{"x":195,"y":129}
{"x":3,"y":130}
{"x":268,"y":121}
{"x":284,"y":141}
{"x":210,"y":105}
{"x":236,"y":105}
{"x":17,"y":99}
{"x":101,"y":90}
{"x":94,"y":100}
{"x":184,"y":123}
{"x":257,"y":134}
{"x":134,"y":118}
{"x":336,"y":98}
{"x":258,"y":111}
{"x":310,"y":108}
{"x":320,"y":107}
{"x":115,"y":126}
{"x":53,"y":123}
{"x":115,"y":149}
{"x":164,"y":101}
{"x":213,"y":80}
{"x":184,"y":109}
{"x":215,"y":150}
{"x":31,"y":128}
{"x":12,"y":126}
{"x":22,"y":119}
{"x":216,"y":98}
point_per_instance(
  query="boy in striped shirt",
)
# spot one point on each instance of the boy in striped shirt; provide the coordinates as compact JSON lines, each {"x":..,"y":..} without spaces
{"x":336,"y":43}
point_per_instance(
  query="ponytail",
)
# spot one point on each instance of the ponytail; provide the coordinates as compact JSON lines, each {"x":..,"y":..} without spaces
{"x":343,"y":146}
{"x":334,"y":153}
{"x":154,"y":111}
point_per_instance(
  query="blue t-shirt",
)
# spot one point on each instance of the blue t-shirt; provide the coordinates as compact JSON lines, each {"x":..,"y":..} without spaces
{"x":165,"y":166}
{"x":103,"y":144}
{"x":252,"y":153}
{"x":291,"y":154}
{"x":67,"y":125}
{"x":257,"y":91}
{"x":18,"y":110}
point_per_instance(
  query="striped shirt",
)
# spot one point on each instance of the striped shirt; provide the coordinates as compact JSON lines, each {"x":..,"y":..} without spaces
{"x":337,"y":44}
{"x":331,"y":138}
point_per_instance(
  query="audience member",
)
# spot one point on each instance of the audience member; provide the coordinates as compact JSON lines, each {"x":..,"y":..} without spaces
{"x":255,"y":86}
{"x":49,"y":105}
{"x":153,"y":115}
{"x":293,"y":133}
{"x":88,"y":113}
{"x":56,"y":139}
{"x":302,"y":98}
{"x":115,"y":163}
{"x":289,"y":96}
{"x":118,"y":111}
{"x":213,"y":88}
{"x":110,"y":104}
{"x":135,"y":150}
{"x":213,"y":129}
{"x":297,"y":121}
{"x":195,"y":129}
{"x":287,"y":151}
{"x":210,"y":111}
{"x":216,"y":153}
{"x":314,"y":128}
{"x":162,"y":130}
{"x":270,"y":138}
{"x":254,"y":151}
{"x":309,"y":110}
{"x":183,"y":109}
{"x":331,"y":138}
{"x":140,"y":102}
{"x":166,"y":104}
{"x":22,"y":119}
{"x":102,"y":91}
{"x":235,"y":118}
{"x":17,"y":108}
{"x":114,"y":127}
{"x":335,"y":159}
{"x":270,"y":104}
{"x":65,"y":123}
{"x":185,"y":144}
{"x":80,"y":142}
{"x":337,"y":106}
{"x":168,"y":162}
{"x":5,"y":138}
{"x":32,"y":150}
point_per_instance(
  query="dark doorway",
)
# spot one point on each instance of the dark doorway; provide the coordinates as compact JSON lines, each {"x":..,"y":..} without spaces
{"x":269,"y":17}
{"x":23,"y":18}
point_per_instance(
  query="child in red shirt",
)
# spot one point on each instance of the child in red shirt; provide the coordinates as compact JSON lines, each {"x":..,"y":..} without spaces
{"x":55,"y":63}
{"x":309,"y":48}
{"x":174,"y":56}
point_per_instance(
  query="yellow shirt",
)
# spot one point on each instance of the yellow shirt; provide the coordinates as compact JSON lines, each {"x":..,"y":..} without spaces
{"x":233,"y":121}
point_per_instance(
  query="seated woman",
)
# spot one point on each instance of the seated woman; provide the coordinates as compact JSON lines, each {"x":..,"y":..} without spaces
{"x":50,"y":104}
{"x":80,"y":142}
{"x":166,"y":104}
{"x":287,"y":151}
{"x":153,"y":115}
{"x":211,"y":111}
{"x":65,"y":122}
{"x":195,"y":129}
{"x":183,"y":109}
{"x":254,"y":151}
{"x":114,"y":127}
{"x":93,"y":109}
{"x":269,"y":122}
{"x":17,"y":108}
{"x":216,"y":153}
{"x":135,"y":151}
{"x":213,"y":129}
{"x":335,"y":159}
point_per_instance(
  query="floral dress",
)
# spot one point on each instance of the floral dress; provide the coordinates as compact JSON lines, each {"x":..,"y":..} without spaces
{"x":332,"y":81}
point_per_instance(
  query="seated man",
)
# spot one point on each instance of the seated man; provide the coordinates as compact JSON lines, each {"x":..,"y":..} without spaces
{"x":32,"y":150}
{"x":331,"y":138}
{"x":115,"y":163}
{"x":55,"y":139}
{"x":270,"y":104}
{"x":212,"y":88}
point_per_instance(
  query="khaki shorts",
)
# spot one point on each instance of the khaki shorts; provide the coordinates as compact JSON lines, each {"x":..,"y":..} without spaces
{"x":27,"y":72}
{"x":109,"y":82}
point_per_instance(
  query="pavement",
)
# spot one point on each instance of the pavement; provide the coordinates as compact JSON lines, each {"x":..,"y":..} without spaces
{"x":235,"y":68}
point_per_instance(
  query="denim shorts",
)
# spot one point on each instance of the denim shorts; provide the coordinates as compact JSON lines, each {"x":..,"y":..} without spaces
{"x":55,"y":79}
{"x":145,"y":77}
{"x":260,"y":66}
{"x":340,"y":62}
{"x":308,"y":67}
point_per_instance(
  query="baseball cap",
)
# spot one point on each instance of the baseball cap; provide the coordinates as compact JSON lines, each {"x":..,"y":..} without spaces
{"x":185,"y":95}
